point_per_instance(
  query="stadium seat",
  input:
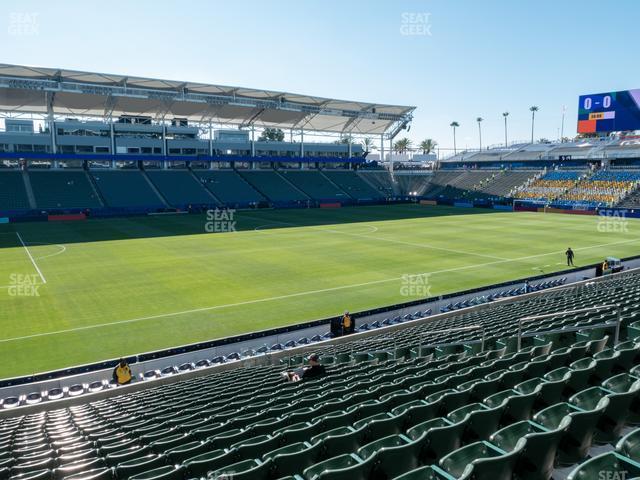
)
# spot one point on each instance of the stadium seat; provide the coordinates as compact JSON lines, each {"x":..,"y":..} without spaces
{"x":393,"y":455}
{"x":616,"y":466}
{"x":245,"y":470}
{"x":293,"y":458}
{"x":481,"y":460}
{"x":202,"y":464}
{"x":578,"y":438}
{"x":343,"y":467}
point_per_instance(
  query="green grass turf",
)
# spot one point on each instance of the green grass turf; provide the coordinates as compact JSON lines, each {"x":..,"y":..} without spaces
{"x":128,"y":285}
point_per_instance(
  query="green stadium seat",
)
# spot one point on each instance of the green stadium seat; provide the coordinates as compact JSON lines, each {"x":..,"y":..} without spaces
{"x":293,"y":458}
{"x":339,"y":441}
{"x":422,"y":473}
{"x":613,"y":419}
{"x":537,"y":457}
{"x":226,"y":438}
{"x":168,"y":472}
{"x":335,"y":419}
{"x":613,"y":464}
{"x":33,"y":466}
{"x":437,"y":438}
{"x":480,"y":422}
{"x":182,"y":452}
{"x":381,"y":425}
{"x":255,"y":447}
{"x":94,"y":474}
{"x":605,"y":363}
{"x":629,"y":445}
{"x":394,"y":455}
{"x":516,"y":406}
{"x":201,"y":465}
{"x":168,"y":442}
{"x":138,"y":465}
{"x":245,"y":470}
{"x":343,"y":467}
{"x":577,"y":440}
{"x":77,"y":467}
{"x":299,"y":432}
{"x":481,"y":460}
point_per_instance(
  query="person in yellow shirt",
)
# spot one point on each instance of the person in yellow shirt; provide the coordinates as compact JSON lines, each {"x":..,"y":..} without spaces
{"x":122,"y":373}
{"x":347,"y":323}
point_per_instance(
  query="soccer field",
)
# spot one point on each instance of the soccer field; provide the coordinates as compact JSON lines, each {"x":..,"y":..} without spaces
{"x":78,"y":292}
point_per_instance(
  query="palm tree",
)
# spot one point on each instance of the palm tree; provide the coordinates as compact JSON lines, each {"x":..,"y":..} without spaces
{"x":427,"y":146}
{"x":454,"y":125}
{"x":402,"y":145}
{"x":505,"y":115}
{"x":479,"y":120}
{"x":368,"y":145}
{"x":533,"y":111}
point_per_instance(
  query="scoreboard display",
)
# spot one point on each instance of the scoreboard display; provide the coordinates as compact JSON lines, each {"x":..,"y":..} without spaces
{"x":609,"y":112}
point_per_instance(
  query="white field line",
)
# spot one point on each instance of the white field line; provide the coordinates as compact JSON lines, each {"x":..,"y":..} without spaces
{"x":298,"y":294}
{"x":62,"y":248}
{"x":44,"y":280}
{"x":380,"y":239}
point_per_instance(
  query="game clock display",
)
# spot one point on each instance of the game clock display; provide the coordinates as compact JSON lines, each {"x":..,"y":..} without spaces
{"x":609,"y":112}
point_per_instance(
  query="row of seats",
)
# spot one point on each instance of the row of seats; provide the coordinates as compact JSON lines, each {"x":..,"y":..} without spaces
{"x":485,"y":413}
{"x":13,"y":193}
{"x":63,"y":189}
{"x":238,"y":421}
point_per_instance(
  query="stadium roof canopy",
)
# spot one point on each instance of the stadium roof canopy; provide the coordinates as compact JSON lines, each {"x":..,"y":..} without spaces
{"x":74,"y":93}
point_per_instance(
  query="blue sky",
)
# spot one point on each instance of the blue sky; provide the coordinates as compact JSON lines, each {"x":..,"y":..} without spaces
{"x":474,"y":58}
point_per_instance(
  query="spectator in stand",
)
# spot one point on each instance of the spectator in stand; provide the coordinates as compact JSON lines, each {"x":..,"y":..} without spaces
{"x":305,"y":373}
{"x":122,"y":373}
{"x":348,"y":325}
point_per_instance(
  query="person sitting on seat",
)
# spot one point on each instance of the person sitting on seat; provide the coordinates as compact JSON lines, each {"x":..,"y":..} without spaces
{"x":122,"y":373}
{"x":313,"y":370}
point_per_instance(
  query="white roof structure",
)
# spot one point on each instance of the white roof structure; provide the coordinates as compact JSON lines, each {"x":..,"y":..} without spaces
{"x":51,"y":91}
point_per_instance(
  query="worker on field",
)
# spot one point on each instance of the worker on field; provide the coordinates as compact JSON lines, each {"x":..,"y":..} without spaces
{"x":347,"y":323}
{"x":570,"y":255}
{"x":122,"y":373}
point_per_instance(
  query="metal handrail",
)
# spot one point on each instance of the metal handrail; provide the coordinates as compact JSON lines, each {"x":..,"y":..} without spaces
{"x":569,"y":312}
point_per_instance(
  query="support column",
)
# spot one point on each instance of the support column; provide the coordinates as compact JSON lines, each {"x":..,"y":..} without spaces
{"x":52,"y":130}
{"x":210,"y":140}
{"x":381,"y":147}
{"x":253,"y":140}
{"x":112,"y":137}
{"x":164,"y":140}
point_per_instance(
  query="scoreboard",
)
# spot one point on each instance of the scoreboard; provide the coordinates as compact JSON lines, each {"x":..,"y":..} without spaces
{"x":609,"y":112}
